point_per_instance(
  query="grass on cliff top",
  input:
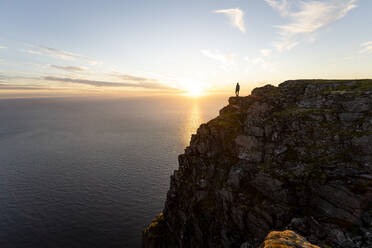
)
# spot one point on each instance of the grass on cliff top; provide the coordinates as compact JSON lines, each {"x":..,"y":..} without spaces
{"x":350,"y":86}
{"x":227,"y":120}
{"x":360,"y":85}
{"x":336,"y":85}
{"x":333,"y":81}
{"x":300,"y":112}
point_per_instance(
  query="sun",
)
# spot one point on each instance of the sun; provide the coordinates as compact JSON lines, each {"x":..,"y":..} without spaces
{"x":194,"y":90}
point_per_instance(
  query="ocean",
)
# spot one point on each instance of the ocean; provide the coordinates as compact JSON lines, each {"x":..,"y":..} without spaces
{"x":90,"y":172}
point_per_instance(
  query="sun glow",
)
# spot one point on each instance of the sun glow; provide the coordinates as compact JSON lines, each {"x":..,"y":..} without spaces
{"x":194,"y":89}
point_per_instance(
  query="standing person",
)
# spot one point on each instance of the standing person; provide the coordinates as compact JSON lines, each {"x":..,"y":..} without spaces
{"x":237,"y":89}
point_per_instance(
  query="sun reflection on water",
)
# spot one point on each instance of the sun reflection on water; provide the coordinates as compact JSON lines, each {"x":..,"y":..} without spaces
{"x":192,"y":123}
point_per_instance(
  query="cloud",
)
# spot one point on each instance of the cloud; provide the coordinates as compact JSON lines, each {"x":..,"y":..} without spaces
{"x":31,"y":52}
{"x":146,"y":85}
{"x":5,"y":86}
{"x":2,"y":47}
{"x":285,"y":45}
{"x":260,"y":61}
{"x":69,"y":68}
{"x":366,"y":48}
{"x":126,"y":77}
{"x":60,"y":54}
{"x":86,"y":81}
{"x":226,"y":59}
{"x":306,"y":18}
{"x":282,"y":6}
{"x":142,"y":81}
{"x":235,"y":16}
{"x":18,"y":77}
{"x":265,"y":52}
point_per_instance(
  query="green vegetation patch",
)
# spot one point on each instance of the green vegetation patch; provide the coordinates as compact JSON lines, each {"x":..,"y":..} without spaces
{"x":350,"y":86}
{"x":227,"y":120}
{"x":300,"y":112}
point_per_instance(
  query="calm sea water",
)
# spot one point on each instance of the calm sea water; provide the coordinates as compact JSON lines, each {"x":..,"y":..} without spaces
{"x":90,"y":172}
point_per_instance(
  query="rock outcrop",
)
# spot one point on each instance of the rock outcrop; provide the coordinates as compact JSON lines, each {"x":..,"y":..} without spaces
{"x":294,"y":157}
{"x":285,"y":239}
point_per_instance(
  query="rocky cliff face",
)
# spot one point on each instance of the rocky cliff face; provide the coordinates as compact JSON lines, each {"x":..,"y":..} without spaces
{"x":297,"y":157}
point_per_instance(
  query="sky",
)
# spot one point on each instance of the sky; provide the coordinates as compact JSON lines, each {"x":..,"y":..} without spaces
{"x":141,"y":47}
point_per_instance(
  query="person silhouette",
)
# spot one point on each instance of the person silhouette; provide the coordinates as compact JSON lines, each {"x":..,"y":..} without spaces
{"x":237,"y":89}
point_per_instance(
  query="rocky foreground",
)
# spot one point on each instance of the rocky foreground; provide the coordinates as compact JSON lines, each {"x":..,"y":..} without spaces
{"x":296,"y":158}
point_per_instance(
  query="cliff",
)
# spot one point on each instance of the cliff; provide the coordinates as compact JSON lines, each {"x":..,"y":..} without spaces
{"x":296,"y":157}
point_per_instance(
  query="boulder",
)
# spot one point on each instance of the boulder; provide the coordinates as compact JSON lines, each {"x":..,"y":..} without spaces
{"x":286,"y":239}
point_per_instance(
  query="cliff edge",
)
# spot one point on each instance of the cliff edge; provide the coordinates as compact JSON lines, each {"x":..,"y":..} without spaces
{"x":297,"y":157}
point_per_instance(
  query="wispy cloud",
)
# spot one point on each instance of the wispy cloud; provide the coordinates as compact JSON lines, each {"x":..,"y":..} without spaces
{"x":264,"y":63}
{"x":141,"y":81}
{"x":366,"y":48}
{"x":307,"y":17}
{"x":2,"y":47}
{"x":226,"y":59}
{"x":30,"y":51}
{"x":127,"y":77}
{"x":69,"y":68}
{"x":60,"y":54}
{"x":64,"y":55}
{"x":281,"y":5}
{"x":265,"y":52}
{"x":17,"y":77}
{"x":146,"y":85}
{"x":285,"y":44}
{"x":235,"y":16}
{"x":6,"y":86}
